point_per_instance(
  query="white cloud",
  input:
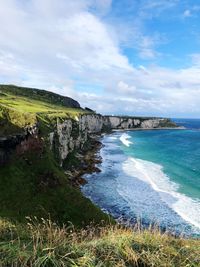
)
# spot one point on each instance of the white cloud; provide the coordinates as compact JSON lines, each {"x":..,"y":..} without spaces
{"x":124,"y":88}
{"x":58,"y":44}
{"x":88,"y":44}
{"x":60,"y":39}
{"x":155,"y":8}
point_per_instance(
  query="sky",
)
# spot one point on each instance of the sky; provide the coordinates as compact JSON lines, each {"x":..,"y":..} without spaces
{"x":135,"y":57}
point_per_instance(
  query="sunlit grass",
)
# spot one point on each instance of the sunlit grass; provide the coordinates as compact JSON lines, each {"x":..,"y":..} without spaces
{"x":43,"y":243}
{"x":17,"y":112}
{"x":24,"y":104}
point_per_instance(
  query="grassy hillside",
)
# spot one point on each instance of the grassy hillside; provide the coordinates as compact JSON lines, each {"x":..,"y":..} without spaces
{"x":38,"y":94}
{"x":20,"y":107}
{"x":32,"y":182}
{"x":45,"y":244}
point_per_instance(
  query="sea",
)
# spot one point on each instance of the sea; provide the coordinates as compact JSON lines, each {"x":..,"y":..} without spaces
{"x":151,"y":176}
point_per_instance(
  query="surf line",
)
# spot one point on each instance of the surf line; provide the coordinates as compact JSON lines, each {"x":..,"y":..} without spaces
{"x":153,"y":174}
{"x":124,"y":138}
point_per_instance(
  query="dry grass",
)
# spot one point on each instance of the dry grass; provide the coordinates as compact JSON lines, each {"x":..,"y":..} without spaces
{"x":43,"y":243}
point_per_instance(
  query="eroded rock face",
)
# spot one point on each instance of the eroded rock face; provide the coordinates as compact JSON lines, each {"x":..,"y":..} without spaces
{"x":71,"y":134}
{"x":19,"y":141}
{"x":7,"y":145}
{"x":131,"y":122}
{"x":93,"y":123}
{"x":151,"y":123}
{"x":65,"y":142}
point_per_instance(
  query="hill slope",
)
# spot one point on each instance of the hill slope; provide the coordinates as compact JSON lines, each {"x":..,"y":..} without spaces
{"x":31,"y":179}
{"x":43,"y":139}
{"x":38,"y":94}
{"x":42,"y":243}
{"x":21,"y":107}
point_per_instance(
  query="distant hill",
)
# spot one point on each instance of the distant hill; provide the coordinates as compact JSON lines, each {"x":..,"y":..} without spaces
{"x":32,"y":181}
{"x":21,"y":107}
{"x":46,"y":147}
{"x":39,"y":94}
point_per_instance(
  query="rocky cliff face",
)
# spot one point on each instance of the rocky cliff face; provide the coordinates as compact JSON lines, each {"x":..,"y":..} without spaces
{"x":123,"y":122}
{"x":18,"y":141}
{"x":71,"y":134}
{"x":57,"y":122}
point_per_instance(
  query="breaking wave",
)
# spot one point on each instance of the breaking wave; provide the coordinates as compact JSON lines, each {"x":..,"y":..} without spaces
{"x":152,"y":173}
{"x":124,"y":138}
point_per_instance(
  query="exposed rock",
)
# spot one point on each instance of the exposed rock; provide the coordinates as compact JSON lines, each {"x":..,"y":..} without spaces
{"x":150,"y":123}
{"x":31,"y":143}
{"x":28,"y":140}
{"x":72,"y":134}
{"x":7,"y":145}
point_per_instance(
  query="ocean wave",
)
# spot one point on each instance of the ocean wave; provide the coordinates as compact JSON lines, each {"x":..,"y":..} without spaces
{"x":111,"y":137}
{"x":124,"y":139}
{"x":152,"y":173}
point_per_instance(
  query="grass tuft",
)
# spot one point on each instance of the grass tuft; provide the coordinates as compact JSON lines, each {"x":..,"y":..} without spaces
{"x":20,"y":107}
{"x":44,"y":243}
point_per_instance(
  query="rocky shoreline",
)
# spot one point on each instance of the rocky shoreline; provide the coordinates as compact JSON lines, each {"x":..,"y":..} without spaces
{"x":88,"y":157}
{"x":86,"y":160}
{"x":149,"y":129}
{"x":92,"y":158}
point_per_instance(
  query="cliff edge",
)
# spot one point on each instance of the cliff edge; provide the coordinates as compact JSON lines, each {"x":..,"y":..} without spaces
{"x":42,"y":134}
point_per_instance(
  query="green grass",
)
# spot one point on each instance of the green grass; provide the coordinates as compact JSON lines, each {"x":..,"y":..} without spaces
{"x":25,"y":104}
{"x":34,"y":184}
{"x":21,"y":107}
{"x":42,"y":243}
{"x":38,"y":94}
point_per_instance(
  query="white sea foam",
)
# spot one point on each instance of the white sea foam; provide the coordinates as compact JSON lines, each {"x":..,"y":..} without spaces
{"x":152,"y":173}
{"x":124,"y":139}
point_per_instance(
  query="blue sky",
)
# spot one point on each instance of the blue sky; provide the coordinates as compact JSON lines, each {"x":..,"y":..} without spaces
{"x":171,"y":29}
{"x":139,"y":57}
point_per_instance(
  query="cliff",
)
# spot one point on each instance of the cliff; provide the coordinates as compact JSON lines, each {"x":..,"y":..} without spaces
{"x":64,"y":125}
{"x":71,"y":135}
{"x":41,"y":135}
{"x":68,"y":134}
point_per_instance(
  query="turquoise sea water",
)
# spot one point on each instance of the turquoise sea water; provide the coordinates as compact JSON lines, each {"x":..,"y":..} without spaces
{"x":153,"y":175}
{"x":177,"y":151}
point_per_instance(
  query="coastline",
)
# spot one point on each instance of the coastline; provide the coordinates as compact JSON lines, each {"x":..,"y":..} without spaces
{"x":89,"y":156}
{"x":87,"y":159}
{"x":111,"y":208}
{"x":149,"y":129}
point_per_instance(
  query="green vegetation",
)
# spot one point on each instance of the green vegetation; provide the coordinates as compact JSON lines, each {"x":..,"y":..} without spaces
{"x":21,"y":107}
{"x":43,"y":243}
{"x":38,"y":94}
{"x":167,"y":123}
{"x":32,"y":182}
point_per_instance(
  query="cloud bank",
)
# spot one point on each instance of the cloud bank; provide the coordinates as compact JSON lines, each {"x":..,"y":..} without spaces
{"x":77,"y":48}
